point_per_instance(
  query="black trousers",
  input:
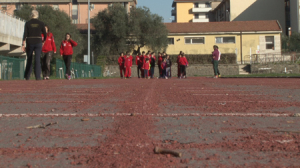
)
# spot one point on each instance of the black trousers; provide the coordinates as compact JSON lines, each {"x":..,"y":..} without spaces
{"x":37,"y":49}
{"x":152,"y":71}
{"x":67,"y":60}
{"x":139,"y":68}
{"x":183,"y":70}
{"x":46,"y":59}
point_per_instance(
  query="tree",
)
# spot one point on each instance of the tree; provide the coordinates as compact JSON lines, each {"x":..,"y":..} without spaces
{"x":111,"y":30}
{"x":148,"y":30}
{"x":59,"y":24}
{"x":116,"y":31}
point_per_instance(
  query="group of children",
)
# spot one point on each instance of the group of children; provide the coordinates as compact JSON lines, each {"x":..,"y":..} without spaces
{"x":146,"y":64}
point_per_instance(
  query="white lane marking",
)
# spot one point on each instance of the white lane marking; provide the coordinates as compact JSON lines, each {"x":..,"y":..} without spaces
{"x":154,"y":115}
{"x":227,"y":94}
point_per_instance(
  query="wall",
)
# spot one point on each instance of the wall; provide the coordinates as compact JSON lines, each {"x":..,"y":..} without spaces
{"x":249,"y":41}
{"x":275,"y":68}
{"x":192,"y":70}
{"x":295,"y":15}
{"x":83,"y":11}
{"x":242,"y":10}
{"x":184,"y":12}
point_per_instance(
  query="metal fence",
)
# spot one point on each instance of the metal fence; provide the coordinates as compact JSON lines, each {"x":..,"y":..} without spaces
{"x":78,"y":70}
{"x":274,"y":58}
{"x":11,"y":68}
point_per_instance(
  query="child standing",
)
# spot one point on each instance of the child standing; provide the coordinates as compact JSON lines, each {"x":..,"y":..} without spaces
{"x":66,"y":51}
{"x":160,"y":60}
{"x":163,"y":67}
{"x":168,"y":66}
{"x":138,"y":63}
{"x":127,"y":66}
{"x":146,"y":68}
{"x":183,"y":64}
{"x":121,"y":62}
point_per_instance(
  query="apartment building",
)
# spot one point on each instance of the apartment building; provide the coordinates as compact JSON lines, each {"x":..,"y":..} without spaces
{"x":249,"y":10}
{"x":76,"y":9}
{"x":193,"y":10}
{"x":295,"y":15}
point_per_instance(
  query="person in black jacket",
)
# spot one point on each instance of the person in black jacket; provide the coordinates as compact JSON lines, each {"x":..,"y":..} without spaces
{"x":34,"y":43}
{"x":168,"y":68}
{"x":152,"y":63}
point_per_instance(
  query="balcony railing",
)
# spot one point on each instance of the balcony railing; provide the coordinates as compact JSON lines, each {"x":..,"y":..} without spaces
{"x":201,"y":20}
{"x":197,"y":10}
{"x":173,"y":12}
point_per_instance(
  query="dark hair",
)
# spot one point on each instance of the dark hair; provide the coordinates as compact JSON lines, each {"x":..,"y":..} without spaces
{"x":152,"y":53}
{"x":47,"y":28}
{"x":121,"y":53}
{"x":215,"y":46}
{"x":143,"y":52}
{"x":127,"y":52}
{"x":147,"y":59}
{"x":68,"y":34}
{"x":180,"y":52}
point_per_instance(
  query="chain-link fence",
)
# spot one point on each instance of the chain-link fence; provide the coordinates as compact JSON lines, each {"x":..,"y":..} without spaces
{"x":274,"y":58}
{"x":11,"y":68}
{"x":78,"y":70}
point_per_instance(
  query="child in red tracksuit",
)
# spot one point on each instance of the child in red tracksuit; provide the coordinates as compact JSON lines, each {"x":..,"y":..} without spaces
{"x":127,"y":66}
{"x":146,"y":68}
{"x":160,"y":59}
{"x":131,"y":59}
{"x":66,"y":51}
{"x":48,"y":50}
{"x":183,"y":64}
{"x":142,"y":60}
{"x":121,"y":62}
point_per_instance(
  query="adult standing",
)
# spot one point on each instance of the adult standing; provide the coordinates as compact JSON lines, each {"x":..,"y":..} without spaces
{"x":34,"y":42}
{"x":138,"y":63}
{"x":178,"y":65}
{"x":66,"y":51}
{"x":216,"y":56}
{"x":152,"y":63}
{"x":48,"y":50}
{"x":121,"y":62}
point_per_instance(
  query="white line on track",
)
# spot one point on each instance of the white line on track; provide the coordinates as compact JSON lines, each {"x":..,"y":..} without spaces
{"x":154,"y":115}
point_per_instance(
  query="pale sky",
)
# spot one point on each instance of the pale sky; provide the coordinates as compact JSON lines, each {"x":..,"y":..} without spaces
{"x":160,"y":7}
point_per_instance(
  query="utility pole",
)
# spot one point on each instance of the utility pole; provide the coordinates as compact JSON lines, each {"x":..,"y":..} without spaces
{"x":89,"y":31}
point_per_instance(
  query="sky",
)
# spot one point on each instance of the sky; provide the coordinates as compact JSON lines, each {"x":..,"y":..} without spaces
{"x":160,"y":7}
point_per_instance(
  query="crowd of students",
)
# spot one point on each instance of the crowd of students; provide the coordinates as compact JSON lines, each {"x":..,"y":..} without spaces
{"x":40,"y":40}
{"x":146,"y":63}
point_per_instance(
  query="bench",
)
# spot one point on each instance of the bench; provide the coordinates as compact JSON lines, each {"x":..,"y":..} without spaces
{"x":265,"y":69}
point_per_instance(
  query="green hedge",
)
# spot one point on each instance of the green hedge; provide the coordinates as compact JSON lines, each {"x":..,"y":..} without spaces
{"x":192,"y":59}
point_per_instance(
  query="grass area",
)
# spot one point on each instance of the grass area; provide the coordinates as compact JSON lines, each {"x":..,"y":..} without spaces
{"x":270,"y":75}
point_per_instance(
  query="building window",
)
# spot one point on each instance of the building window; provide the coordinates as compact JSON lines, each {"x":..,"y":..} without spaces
{"x":196,"y":5}
{"x":74,"y":12}
{"x":19,"y":6}
{"x":75,"y":21}
{"x":207,"y":5}
{"x":171,"y":41}
{"x":194,"y":40}
{"x":55,"y":7}
{"x":196,"y":16}
{"x":3,"y":7}
{"x":270,"y":42}
{"x":225,"y":39}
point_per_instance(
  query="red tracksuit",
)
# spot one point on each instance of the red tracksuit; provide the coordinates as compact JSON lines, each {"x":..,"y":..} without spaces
{"x":160,"y":59}
{"x":66,"y":47}
{"x":127,"y":65}
{"x":142,"y":58}
{"x":121,"y":62}
{"x":146,"y":66}
{"x":49,"y":44}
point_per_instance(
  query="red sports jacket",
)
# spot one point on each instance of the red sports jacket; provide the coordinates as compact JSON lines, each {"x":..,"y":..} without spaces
{"x":49,"y":44}
{"x":183,"y":61}
{"x":137,"y":60}
{"x":121,"y":61}
{"x":160,"y":59}
{"x":66,"y":47}
{"x":146,"y":66}
{"x":128,"y":62}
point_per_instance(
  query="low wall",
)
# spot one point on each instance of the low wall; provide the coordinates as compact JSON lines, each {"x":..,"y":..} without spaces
{"x":274,"y":68}
{"x":192,"y":70}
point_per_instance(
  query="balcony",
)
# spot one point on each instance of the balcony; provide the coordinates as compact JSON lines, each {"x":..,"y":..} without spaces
{"x":173,"y":12}
{"x":199,"y":10}
{"x":201,"y":20}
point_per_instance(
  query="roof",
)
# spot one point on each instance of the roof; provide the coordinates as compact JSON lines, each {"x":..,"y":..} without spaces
{"x":234,"y":26}
{"x":106,"y":1}
{"x":182,"y":1}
